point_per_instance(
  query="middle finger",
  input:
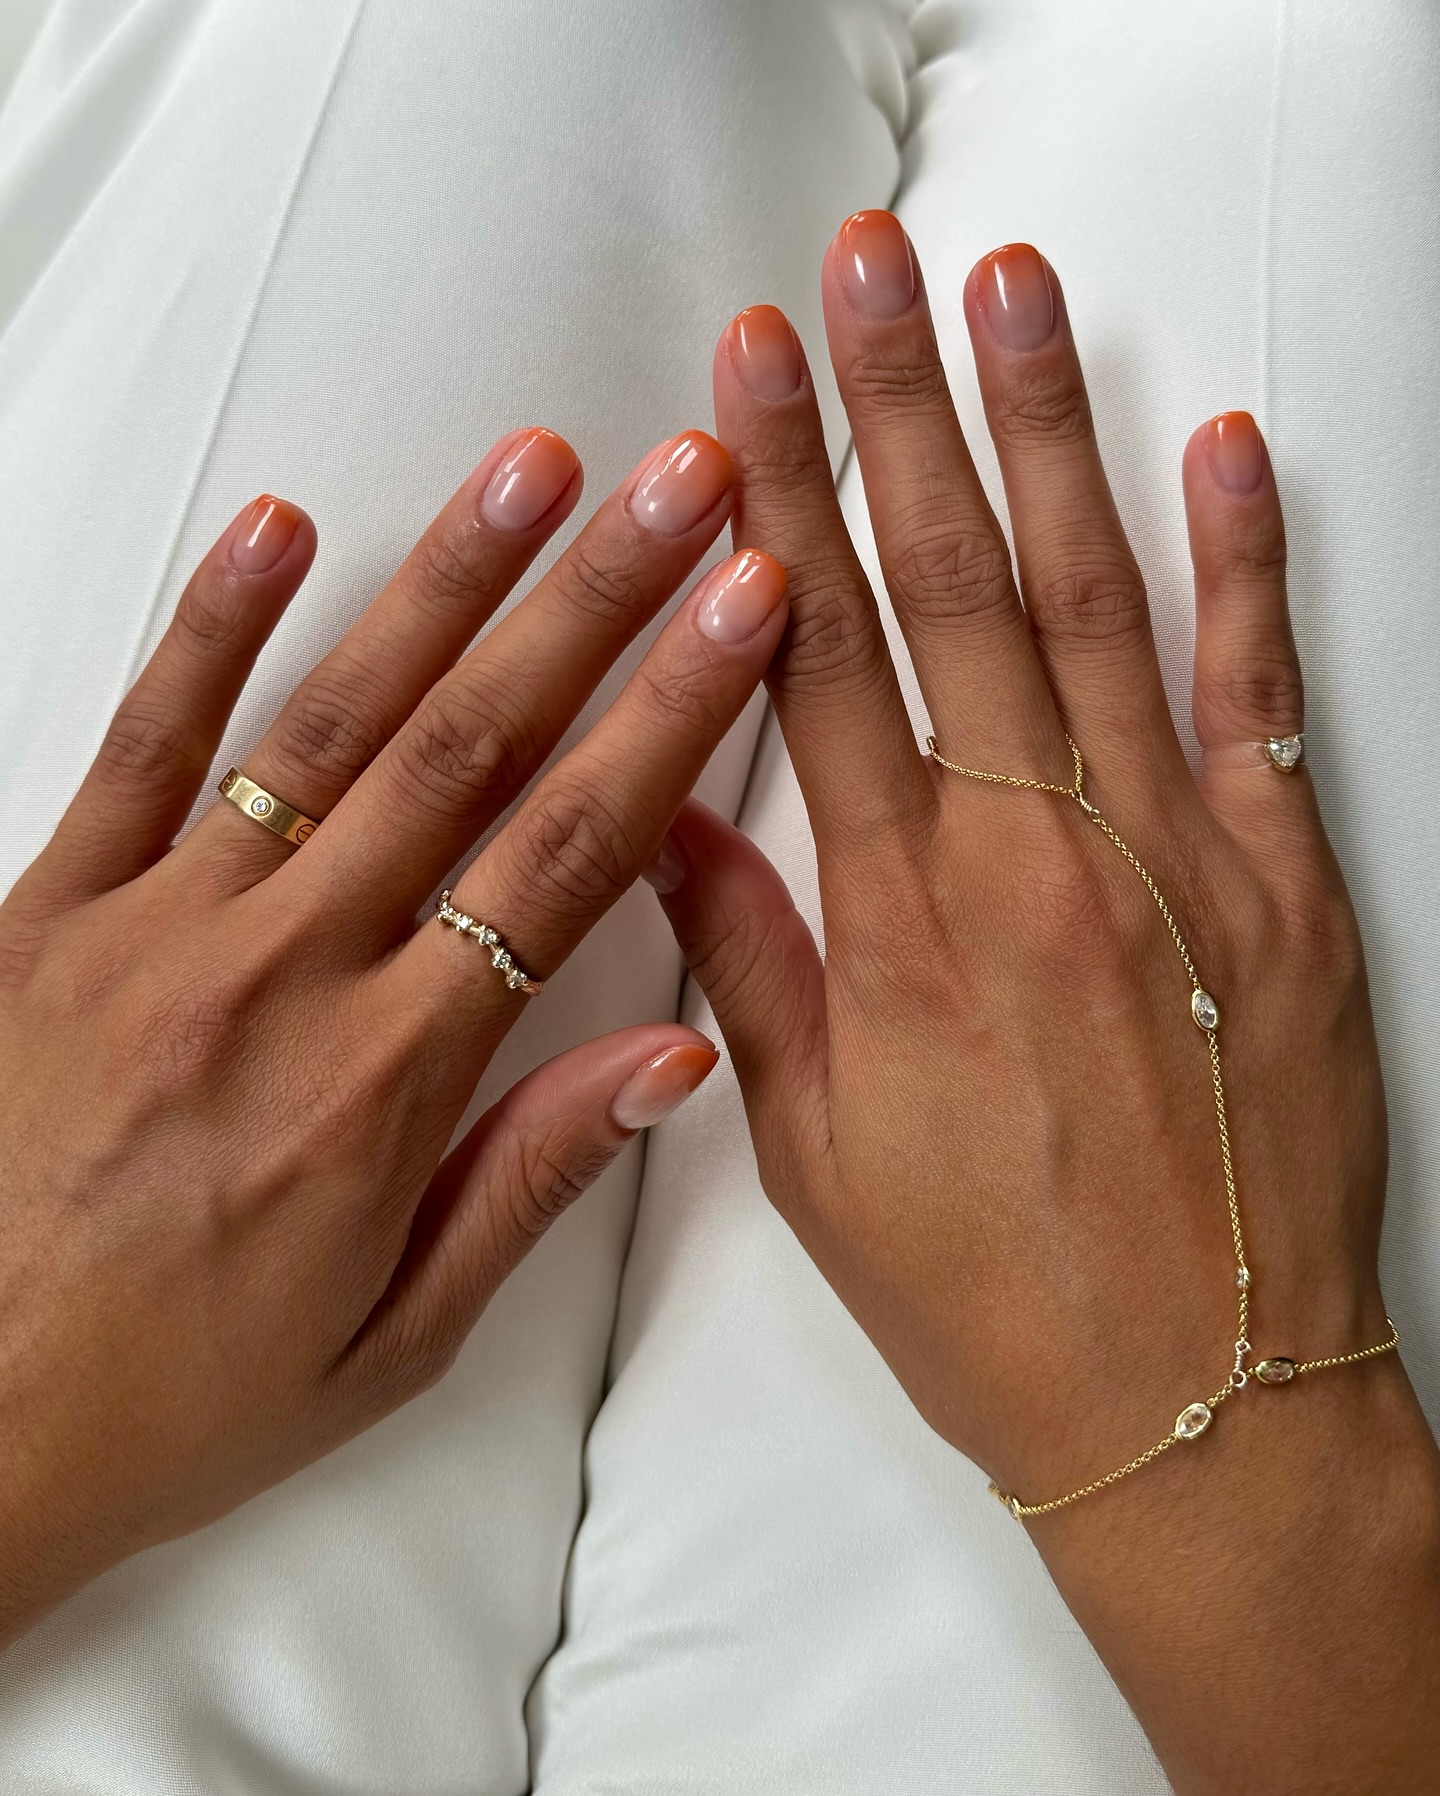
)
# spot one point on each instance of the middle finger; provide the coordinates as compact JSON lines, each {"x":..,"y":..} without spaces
{"x":486,"y":729}
{"x":944,"y":556}
{"x":1080,"y":581}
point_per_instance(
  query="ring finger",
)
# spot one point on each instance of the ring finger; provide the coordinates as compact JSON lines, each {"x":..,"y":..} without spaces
{"x":583,"y":835}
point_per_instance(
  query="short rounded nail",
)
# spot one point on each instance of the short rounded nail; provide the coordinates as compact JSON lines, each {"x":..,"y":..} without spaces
{"x":666,"y":873}
{"x":528,"y":481}
{"x":682,"y":481}
{"x":740,"y":596}
{"x":1016,"y":298}
{"x":660,"y":1086}
{"x":765,"y":352}
{"x":876,"y":265}
{"x":1235,"y":452}
{"x":262,"y":534}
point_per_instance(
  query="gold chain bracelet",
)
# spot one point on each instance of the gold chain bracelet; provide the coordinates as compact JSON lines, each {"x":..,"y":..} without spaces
{"x":1196,"y":1417}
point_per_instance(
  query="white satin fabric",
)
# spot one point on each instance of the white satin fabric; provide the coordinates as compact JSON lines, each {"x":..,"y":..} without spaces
{"x":336,"y":250}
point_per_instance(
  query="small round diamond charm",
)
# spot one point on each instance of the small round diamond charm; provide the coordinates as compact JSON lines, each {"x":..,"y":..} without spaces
{"x":1205,"y":1010}
{"x":1192,"y":1421}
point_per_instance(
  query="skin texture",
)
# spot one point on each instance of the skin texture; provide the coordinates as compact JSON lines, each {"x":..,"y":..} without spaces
{"x":986,"y":1112}
{"x":230,"y":1233}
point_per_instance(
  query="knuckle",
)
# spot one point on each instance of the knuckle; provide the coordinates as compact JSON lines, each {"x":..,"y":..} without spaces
{"x":329,"y":728}
{"x":1264,"y":687}
{"x":466,"y":747}
{"x":209,"y":621}
{"x":607,"y":594}
{"x":897,"y":388}
{"x":450,"y":571}
{"x":412,"y":1354}
{"x":786,"y":473}
{"x":940,"y":571}
{"x":543,"y":1177}
{"x":1254,"y":549}
{"x":1043,"y":403}
{"x":1105,"y":599}
{"x":579,"y":853}
{"x":681,"y":697}
{"x":830,"y":633}
{"x":142,"y":745}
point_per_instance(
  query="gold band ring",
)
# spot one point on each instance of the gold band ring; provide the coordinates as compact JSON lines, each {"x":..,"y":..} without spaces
{"x":266,"y":808}
{"x":500,"y":956}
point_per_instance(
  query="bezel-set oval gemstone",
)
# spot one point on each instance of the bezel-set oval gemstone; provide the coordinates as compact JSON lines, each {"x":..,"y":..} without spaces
{"x":1192,"y":1421}
{"x":1205,"y":1010}
{"x":1278,"y":1370}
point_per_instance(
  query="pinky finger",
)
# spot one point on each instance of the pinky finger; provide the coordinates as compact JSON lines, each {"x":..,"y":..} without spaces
{"x":1248,"y":689}
{"x":521,"y":1165}
{"x":161,"y":741}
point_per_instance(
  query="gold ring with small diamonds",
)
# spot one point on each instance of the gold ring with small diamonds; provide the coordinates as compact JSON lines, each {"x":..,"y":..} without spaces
{"x":283,"y":819}
{"x":490,"y":939}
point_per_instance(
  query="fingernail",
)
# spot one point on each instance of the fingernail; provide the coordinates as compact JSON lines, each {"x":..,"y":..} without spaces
{"x":1015,"y":296}
{"x":765,"y":352}
{"x":660,"y":1086}
{"x":263,"y":534}
{"x":528,"y":481}
{"x":876,"y":265}
{"x":666,"y":873}
{"x":682,"y":481}
{"x":1235,"y":452}
{"x":741,"y":595}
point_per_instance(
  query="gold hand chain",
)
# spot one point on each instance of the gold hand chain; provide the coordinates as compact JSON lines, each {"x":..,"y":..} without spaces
{"x":1196,"y":1417}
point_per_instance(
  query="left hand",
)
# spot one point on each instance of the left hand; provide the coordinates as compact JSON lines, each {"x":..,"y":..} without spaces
{"x":988,"y":1114}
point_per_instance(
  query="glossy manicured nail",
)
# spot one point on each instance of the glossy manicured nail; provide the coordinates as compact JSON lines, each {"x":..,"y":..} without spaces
{"x":666,"y":873}
{"x":661,"y":1085}
{"x":528,"y":481}
{"x":876,"y":265}
{"x":262,"y":535}
{"x":740,"y":596}
{"x":1234,"y":445}
{"x":765,"y":352}
{"x":681,"y":482}
{"x":1015,"y":296}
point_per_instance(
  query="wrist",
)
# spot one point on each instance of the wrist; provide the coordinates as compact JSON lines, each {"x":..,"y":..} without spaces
{"x":1268,"y":1598}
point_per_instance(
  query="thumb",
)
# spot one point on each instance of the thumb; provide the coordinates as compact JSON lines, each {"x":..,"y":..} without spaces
{"x":752,"y":954}
{"x":524,"y":1162}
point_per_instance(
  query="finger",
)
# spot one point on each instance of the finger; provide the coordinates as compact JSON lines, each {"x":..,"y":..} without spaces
{"x":1080,"y":582}
{"x":489,"y":726}
{"x":944,"y":556}
{"x":163,"y":738}
{"x":523,"y":1163}
{"x":582,"y":836}
{"x":752,"y":954}
{"x":350,"y":705}
{"x":1248,"y":688}
{"x":833,"y":682}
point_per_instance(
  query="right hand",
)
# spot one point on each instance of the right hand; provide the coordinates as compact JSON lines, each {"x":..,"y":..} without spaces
{"x":230,"y":1068}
